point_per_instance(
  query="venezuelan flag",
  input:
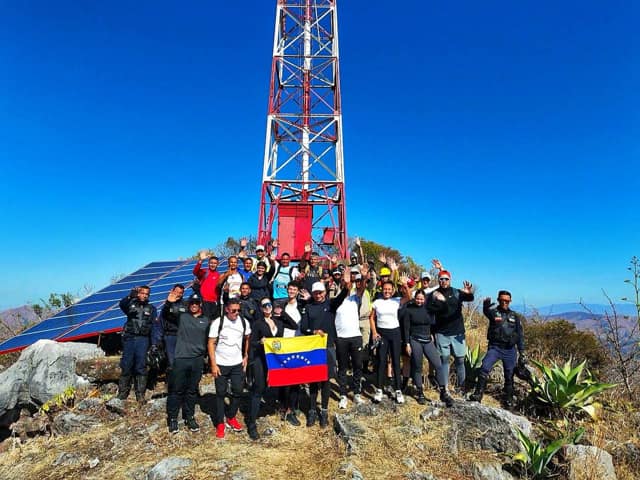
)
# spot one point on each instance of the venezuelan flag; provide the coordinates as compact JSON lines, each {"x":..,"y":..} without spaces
{"x":296,"y":360}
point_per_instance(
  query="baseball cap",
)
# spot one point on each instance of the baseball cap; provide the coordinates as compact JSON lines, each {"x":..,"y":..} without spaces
{"x":444,"y":274}
{"x":259,"y":247}
{"x":425,"y":275}
{"x":195,"y":298}
{"x":318,"y":287}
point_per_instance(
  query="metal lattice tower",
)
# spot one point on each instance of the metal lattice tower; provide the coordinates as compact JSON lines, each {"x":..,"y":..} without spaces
{"x":303,"y":175}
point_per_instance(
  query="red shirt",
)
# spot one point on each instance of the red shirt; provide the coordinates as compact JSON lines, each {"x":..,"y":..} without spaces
{"x":208,"y":282}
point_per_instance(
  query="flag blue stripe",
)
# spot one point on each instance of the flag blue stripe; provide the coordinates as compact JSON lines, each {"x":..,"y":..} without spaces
{"x":299,"y":359}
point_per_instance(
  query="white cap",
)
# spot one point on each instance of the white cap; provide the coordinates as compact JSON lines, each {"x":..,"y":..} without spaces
{"x":318,"y":287}
{"x":425,"y":275}
{"x":259,"y":247}
{"x":355,"y":270}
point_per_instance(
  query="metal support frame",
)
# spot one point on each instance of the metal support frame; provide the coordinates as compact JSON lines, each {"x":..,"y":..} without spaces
{"x":303,"y":155}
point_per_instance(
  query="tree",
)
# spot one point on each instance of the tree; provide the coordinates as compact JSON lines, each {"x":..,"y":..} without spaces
{"x":620,"y":333}
{"x":373,"y":251}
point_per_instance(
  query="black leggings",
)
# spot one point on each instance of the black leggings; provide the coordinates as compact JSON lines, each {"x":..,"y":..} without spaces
{"x":390,"y":343}
{"x":259,"y":386}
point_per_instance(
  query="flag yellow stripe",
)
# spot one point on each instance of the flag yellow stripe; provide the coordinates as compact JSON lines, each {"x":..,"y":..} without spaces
{"x":294,"y":344}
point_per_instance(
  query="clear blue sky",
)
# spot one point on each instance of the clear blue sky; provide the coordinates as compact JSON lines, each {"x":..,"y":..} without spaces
{"x":502,"y":137}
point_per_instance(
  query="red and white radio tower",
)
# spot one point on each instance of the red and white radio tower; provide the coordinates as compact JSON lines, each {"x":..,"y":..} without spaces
{"x":303,"y":173}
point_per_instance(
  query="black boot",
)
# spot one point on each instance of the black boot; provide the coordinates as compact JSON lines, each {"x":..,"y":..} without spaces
{"x":252,"y":429}
{"x":421,"y":399}
{"x":445,"y":397}
{"x":477,"y":395}
{"x":324,"y":418}
{"x":141,"y":387}
{"x":311,"y":417}
{"x":124,"y":386}
{"x":508,"y":395}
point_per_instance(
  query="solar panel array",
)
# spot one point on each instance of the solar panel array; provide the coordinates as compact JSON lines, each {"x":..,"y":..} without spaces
{"x":100,"y":312}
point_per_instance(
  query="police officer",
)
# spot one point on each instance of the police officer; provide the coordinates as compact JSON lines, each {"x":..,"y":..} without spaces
{"x":505,"y":334}
{"x":249,"y":308}
{"x":135,"y":341}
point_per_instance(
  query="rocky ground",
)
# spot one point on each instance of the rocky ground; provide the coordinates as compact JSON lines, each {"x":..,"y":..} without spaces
{"x":100,"y":437}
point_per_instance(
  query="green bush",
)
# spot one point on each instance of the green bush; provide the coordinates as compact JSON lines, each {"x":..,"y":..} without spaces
{"x":536,"y":456}
{"x":559,"y":340}
{"x":564,"y":391}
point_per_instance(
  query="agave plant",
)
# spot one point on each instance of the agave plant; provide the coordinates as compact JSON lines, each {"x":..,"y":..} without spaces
{"x":568,"y":389}
{"x":536,"y":457}
{"x":472,"y":362}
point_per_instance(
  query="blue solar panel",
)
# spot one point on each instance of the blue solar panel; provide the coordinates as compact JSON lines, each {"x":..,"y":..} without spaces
{"x":100,"y":312}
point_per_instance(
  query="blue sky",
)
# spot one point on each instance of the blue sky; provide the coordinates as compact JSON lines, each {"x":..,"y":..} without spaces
{"x":501,"y":137}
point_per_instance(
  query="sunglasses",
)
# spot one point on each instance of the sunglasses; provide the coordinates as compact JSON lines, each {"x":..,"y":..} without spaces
{"x":441,"y":279}
{"x":266,"y":305}
{"x":235,"y":310}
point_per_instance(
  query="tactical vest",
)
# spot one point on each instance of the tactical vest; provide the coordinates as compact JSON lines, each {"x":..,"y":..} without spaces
{"x":139,"y":318}
{"x":503,"y":329}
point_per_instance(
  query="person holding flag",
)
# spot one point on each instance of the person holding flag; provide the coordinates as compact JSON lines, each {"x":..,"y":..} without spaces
{"x":270,"y":324}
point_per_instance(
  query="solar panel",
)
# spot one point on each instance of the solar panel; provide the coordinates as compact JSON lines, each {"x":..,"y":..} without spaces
{"x":100,"y":312}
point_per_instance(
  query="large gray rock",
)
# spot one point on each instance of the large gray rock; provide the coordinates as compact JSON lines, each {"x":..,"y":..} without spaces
{"x":589,"y":462}
{"x":479,"y":427}
{"x":169,"y":468}
{"x":68,"y":422}
{"x":44,"y":369}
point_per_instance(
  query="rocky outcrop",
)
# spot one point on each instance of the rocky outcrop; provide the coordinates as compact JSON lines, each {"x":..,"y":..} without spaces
{"x":479,"y":427}
{"x":589,"y":462}
{"x":170,"y":468}
{"x":44,"y":369}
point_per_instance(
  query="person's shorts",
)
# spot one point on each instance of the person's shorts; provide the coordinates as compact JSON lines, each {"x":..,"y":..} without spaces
{"x":448,"y":343}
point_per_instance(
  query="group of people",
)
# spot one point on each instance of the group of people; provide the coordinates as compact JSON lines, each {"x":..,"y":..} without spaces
{"x":373,"y":319}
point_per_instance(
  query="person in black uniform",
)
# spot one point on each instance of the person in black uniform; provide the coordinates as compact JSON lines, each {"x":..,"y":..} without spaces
{"x":505,"y":334}
{"x":191,"y":347}
{"x":170,"y":315}
{"x":135,"y":341}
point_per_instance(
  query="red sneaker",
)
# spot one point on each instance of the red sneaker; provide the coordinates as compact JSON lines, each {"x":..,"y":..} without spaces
{"x":234,"y":425}
{"x":220,"y":430}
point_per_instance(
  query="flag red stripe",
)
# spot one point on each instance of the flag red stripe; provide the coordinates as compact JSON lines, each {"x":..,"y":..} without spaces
{"x":280,"y":377}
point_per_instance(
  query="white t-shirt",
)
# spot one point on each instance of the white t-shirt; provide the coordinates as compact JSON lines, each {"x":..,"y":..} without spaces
{"x":229,"y":346}
{"x":387,"y":312}
{"x":294,"y":313}
{"x":348,"y":318}
{"x":233,"y":282}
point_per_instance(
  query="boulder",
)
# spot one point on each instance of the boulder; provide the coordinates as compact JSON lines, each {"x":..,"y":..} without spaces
{"x":69,"y":422}
{"x":589,"y":462}
{"x":170,"y":468}
{"x":103,"y":369}
{"x":479,"y":427}
{"x":43,"y":370}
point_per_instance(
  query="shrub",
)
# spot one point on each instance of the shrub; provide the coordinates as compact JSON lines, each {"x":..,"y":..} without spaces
{"x":535,"y":457}
{"x":561,"y":340}
{"x":472,"y":362}
{"x":563,"y":391}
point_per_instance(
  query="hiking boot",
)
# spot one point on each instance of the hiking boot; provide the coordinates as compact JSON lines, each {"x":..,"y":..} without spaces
{"x":141,"y":388}
{"x":324,"y":418}
{"x":508,"y":395}
{"x":234,"y":425}
{"x":477,"y":395}
{"x":312,"y":416}
{"x":399,"y":397}
{"x":192,"y":424}
{"x":445,"y":397}
{"x":220,"y":430}
{"x":124,"y":387}
{"x":421,"y":399}
{"x":292,"y":419}
{"x":377,"y":397}
{"x":357,"y":399}
{"x":253,"y":432}
{"x":173,"y":425}
{"x":343,"y":402}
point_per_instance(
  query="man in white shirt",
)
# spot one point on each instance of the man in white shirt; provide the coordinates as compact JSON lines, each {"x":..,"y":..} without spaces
{"x":228,"y":348}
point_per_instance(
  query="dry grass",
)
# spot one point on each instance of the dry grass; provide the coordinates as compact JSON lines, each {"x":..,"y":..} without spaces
{"x":133,"y":444}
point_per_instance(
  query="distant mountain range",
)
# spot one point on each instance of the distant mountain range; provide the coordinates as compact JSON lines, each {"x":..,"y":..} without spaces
{"x":15,"y":319}
{"x":577,"y":309}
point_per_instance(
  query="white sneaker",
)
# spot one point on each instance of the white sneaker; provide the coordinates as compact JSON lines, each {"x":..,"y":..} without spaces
{"x":357,"y":398}
{"x":399,"y":396}
{"x":343,"y":402}
{"x":378,"y":396}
